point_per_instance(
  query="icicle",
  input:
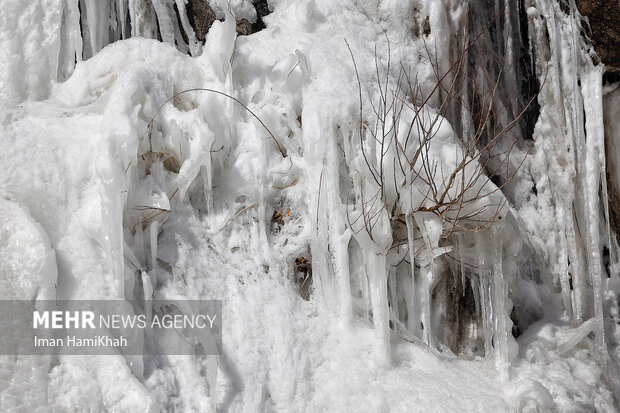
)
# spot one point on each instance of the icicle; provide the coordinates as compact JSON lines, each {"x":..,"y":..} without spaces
{"x":427,"y":275}
{"x":375,"y":243}
{"x":342,"y":271}
{"x":581,"y":332}
{"x":393,"y":291}
{"x":563,"y":259}
{"x":98,"y":16}
{"x":207,"y":178}
{"x":153,"y":243}
{"x":591,"y":88}
{"x":339,"y":235}
{"x":121,"y":15}
{"x":113,"y":198}
{"x":164,"y":13}
{"x":497,"y":301}
{"x":220,"y":45}
{"x":408,"y":294}
{"x":133,"y":16}
{"x":472,"y":283}
{"x":377,"y":268}
{"x":574,"y":238}
{"x":147,"y":287}
{"x":320,"y":236}
{"x":509,"y":78}
{"x":143,"y":23}
{"x":465,"y":116}
{"x":364,"y":280}
{"x":485,"y":307}
{"x":413,"y":312}
{"x":425,"y":303}
{"x":576,"y":269}
{"x":462,"y":259}
{"x":322,"y":283}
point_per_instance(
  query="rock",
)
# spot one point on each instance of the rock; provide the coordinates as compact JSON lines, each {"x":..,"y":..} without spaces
{"x":426,"y":26}
{"x":262,"y":9}
{"x":604,"y":18}
{"x":201,"y":17}
{"x":244,"y":27}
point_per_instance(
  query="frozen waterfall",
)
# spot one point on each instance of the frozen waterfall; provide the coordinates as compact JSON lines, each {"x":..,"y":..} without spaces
{"x":395,"y":201}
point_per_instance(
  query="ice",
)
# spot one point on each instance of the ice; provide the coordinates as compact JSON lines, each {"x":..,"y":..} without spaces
{"x":166,"y":25}
{"x":28,"y":262}
{"x":97,"y":18}
{"x":577,"y":211}
{"x":153,"y":243}
{"x":339,"y":234}
{"x":194,"y":46}
{"x":430,"y":228}
{"x":413,"y":314}
{"x":533,"y":396}
{"x":71,"y":41}
{"x":570,"y":342}
{"x":483,"y":284}
{"x":143,"y":18}
{"x":502,"y":333}
{"x":30,"y":49}
{"x":118,"y":182}
{"x":576,"y":269}
{"x":377,"y":277}
{"x":595,"y":153}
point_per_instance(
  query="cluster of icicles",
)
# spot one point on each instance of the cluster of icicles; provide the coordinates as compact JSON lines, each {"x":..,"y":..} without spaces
{"x":401,"y":288}
{"x":567,"y":165}
{"x":90,"y":25}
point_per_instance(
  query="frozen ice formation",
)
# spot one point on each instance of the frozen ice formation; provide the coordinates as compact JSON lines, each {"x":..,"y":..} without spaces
{"x":140,"y":163}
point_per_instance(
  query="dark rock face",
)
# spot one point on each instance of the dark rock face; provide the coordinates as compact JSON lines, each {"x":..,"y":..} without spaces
{"x":604,"y":17}
{"x":201,"y":17}
{"x":262,"y":9}
{"x":244,"y":27}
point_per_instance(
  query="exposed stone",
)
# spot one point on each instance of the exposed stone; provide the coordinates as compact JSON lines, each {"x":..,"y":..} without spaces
{"x":303,"y":276}
{"x":262,"y":9}
{"x":426,"y":26}
{"x":244,"y":27}
{"x":201,"y":17}
{"x":604,"y":18}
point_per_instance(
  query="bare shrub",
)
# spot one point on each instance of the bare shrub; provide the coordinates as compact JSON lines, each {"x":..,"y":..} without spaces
{"x":406,"y":142}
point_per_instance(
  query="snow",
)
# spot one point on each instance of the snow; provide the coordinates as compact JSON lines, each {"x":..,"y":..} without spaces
{"x":30,"y":44}
{"x":119,"y":182}
{"x":28,"y":261}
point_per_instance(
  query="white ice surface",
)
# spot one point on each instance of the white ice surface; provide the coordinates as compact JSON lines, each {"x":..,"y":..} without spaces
{"x":78,"y":168}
